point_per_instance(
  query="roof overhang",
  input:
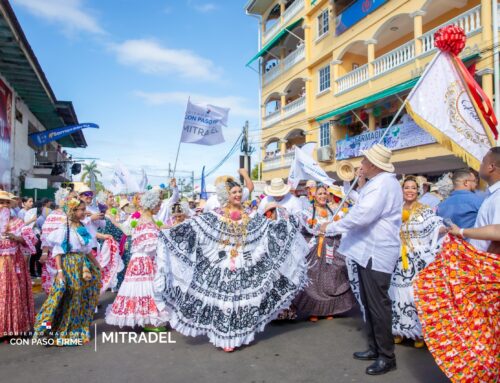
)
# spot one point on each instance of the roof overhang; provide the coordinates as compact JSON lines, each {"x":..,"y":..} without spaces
{"x":19,"y":65}
{"x":258,"y":7}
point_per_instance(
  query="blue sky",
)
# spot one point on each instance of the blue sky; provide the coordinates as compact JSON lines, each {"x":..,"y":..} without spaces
{"x":130,"y":65}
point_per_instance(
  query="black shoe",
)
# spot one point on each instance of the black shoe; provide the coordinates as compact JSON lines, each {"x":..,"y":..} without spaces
{"x":365,"y":355}
{"x":381,"y":366}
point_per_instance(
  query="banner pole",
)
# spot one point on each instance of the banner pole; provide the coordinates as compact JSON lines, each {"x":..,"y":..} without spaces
{"x":176,"y":158}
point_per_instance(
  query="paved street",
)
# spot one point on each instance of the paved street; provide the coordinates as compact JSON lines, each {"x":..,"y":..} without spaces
{"x":285,"y":352}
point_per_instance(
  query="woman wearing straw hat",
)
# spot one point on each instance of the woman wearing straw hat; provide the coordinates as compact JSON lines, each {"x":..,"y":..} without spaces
{"x":16,"y":300}
{"x":371,"y":239}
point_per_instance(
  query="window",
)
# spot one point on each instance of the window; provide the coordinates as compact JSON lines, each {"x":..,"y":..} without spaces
{"x":324,"y":132}
{"x":324,"y":78}
{"x":323,"y":23}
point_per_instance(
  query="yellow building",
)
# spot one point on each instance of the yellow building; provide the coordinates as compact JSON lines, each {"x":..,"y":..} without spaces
{"x":335,"y":72}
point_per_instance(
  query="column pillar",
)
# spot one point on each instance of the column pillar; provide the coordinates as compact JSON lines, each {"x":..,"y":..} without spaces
{"x":283,"y":103}
{"x":487,"y":37}
{"x":371,"y":120}
{"x":371,"y":55}
{"x":418,"y":21}
{"x":282,"y":10}
{"x":283,"y":151}
{"x":335,"y":75}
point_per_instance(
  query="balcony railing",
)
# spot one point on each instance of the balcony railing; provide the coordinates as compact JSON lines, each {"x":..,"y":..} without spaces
{"x":469,"y":21}
{"x":272,"y":163}
{"x":294,"y":107}
{"x":288,"y":158}
{"x":273,"y":29}
{"x":287,"y":16}
{"x":293,"y":10}
{"x":394,"y":58}
{"x":289,"y":62}
{"x":353,"y":78}
{"x":293,"y":58}
{"x":272,"y":118}
{"x":272,"y":73}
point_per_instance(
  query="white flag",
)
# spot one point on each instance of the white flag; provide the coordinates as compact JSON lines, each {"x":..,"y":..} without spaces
{"x":144,"y":180}
{"x":440,"y":103}
{"x":123,"y":182}
{"x":202,"y":125}
{"x":304,"y":167}
{"x":223,"y":112}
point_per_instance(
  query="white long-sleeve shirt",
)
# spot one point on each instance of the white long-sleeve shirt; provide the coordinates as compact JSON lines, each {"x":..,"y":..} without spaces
{"x":371,"y":227}
{"x":488,"y":214}
{"x":93,"y":226}
{"x":166,"y":206}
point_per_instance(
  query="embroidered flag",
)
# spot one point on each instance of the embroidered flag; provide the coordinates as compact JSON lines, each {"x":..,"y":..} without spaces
{"x":441,"y":104}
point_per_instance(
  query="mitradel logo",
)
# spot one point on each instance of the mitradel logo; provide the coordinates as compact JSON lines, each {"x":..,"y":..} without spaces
{"x":124,"y":337}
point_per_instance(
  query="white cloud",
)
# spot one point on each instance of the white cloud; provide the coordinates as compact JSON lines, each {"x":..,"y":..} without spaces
{"x":70,"y":14}
{"x":202,"y":7}
{"x":150,"y":57}
{"x":238,"y":105}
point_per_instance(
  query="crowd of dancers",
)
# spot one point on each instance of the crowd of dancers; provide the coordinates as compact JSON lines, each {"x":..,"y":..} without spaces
{"x":227,"y":266}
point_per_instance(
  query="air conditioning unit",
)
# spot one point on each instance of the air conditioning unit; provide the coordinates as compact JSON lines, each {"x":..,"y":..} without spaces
{"x":324,"y":153}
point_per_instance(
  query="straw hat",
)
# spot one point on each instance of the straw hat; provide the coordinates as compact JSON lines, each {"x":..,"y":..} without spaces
{"x":6,"y":196}
{"x":84,"y":189}
{"x":311,"y":184}
{"x":336,"y":191}
{"x":380,"y":156}
{"x":123,"y":202}
{"x":223,"y":179}
{"x":277,"y":188}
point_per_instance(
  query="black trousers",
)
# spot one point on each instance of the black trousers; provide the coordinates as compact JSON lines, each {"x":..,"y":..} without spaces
{"x":374,"y":292}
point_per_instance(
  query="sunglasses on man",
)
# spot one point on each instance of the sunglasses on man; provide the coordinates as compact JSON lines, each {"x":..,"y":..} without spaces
{"x":87,"y":194}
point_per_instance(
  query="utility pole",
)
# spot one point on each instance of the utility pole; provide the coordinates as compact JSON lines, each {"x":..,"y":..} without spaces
{"x":246,"y":150}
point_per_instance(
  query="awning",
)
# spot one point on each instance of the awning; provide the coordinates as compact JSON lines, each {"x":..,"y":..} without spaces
{"x":275,"y":40}
{"x":20,"y":67}
{"x":380,"y":95}
{"x":374,"y":97}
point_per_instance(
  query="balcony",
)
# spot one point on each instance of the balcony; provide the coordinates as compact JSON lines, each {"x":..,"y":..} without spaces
{"x":394,"y":59}
{"x":294,"y":107}
{"x":289,"y":62}
{"x":272,"y":163}
{"x":470,"y":21}
{"x":283,"y":20}
{"x":272,"y":118}
{"x":45,"y":162}
{"x":352,"y":79}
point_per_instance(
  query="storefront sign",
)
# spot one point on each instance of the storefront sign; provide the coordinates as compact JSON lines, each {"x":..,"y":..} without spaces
{"x":5,"y":134}
{"x":354,"y":13}
{"x":404,"y":135}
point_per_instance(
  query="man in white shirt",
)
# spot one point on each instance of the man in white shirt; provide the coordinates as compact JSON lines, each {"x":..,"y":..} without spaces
{"x":371,"y":239}
{"x":279,"y":193}
{"x":166,"y":205}
{"x":489,"y":212}
{"x":213,"y":202}
{"x":94,"y":219}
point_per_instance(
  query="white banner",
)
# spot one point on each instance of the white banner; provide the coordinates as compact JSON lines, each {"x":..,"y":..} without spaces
{"x":144,"y":180}
{"x":304,"y":167}
{"x":203,"y":125}
{"x":441,"y":105}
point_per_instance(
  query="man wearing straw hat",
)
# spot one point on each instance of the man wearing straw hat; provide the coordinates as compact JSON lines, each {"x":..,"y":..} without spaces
{"x":371,"y":239}
{"x":279,"y":193}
